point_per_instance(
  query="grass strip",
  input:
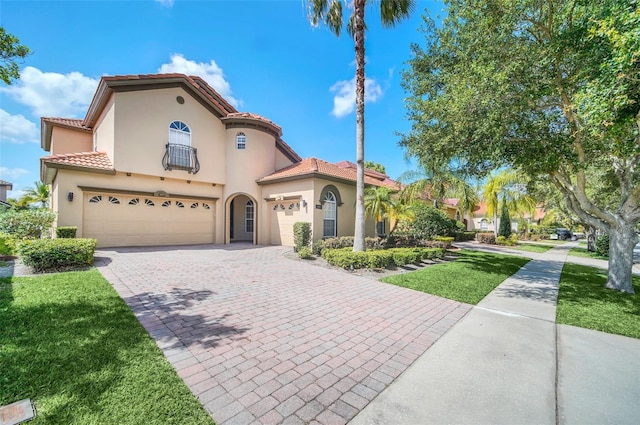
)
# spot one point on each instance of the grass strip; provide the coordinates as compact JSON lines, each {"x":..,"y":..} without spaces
{"x":582,"y":252}
{"x":529,"y":247}
{"x":583,"y":301}
{"x":72,"y":345}
{"x":468,"y":279}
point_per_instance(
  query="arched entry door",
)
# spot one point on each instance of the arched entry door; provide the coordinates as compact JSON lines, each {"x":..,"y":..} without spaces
{"x":242,"y":218}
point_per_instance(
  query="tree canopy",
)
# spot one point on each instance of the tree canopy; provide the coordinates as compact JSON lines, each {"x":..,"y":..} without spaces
{"x":10,"y":49}
{"x":550,"y":89}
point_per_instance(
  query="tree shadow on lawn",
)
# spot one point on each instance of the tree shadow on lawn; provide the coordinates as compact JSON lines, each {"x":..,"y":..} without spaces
{"x":585,"y":286}
{"x":84,"y":361}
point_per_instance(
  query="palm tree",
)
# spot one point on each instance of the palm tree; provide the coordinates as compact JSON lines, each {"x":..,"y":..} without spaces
{"x":330,"y":12}
{"x":38,"y":193}
{"x":377,"y":201}
{"x":511,"y":186}
{"x":399,"y":211}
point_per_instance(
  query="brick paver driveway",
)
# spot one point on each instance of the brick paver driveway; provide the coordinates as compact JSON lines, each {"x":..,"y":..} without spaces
{"x":260,"y":338}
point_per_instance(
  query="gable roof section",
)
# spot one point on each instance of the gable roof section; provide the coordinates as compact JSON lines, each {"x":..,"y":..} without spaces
{"x":314,"y":167}
{"x":47,"y":124}
{"x":97,"y":162}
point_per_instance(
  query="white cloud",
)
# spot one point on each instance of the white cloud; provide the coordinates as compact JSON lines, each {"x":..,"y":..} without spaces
{"x":210,"y":72}
{"x":165,"y":3}
{"x":12,"y":173}
{"x":344,"y":102}
{"x":17,"y":129}
{"x":52,"y":94}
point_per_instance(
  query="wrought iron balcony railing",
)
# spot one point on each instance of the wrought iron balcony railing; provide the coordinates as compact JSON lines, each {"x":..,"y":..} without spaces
{"x":181,"y":157}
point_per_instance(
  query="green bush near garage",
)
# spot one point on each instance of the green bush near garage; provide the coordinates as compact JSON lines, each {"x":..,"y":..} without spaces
{"x":49,"y":255}
{"x":66,"y":232}
{"x":301,"y":234}
{"x":379,"y":259}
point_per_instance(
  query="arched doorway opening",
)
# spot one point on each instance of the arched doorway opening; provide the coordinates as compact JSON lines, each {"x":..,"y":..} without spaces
{"x":242,"y":218}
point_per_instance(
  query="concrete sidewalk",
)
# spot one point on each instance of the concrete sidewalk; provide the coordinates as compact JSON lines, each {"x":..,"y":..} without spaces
{"x":507,"y":362}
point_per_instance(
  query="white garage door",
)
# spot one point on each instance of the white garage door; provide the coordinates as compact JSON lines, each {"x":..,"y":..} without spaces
{"x":283,"y":215}
{"x":131,"y":220}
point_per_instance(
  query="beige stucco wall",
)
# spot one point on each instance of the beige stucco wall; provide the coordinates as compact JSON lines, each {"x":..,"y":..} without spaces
{"x":65,"y":140}
{"x":303,"y":188}
{"x":104,"y":130}
{"x":281,"y":160}
{"x":71,"y":213}
{"x":346,"y":212}
{"x":142,"y":131}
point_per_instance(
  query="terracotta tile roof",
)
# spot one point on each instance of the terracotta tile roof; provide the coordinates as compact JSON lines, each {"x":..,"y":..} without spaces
{"x":314,"y":166}
{"x":91,"y":160}
{"x":367,"y":171}
{"x":66,"y":122}
{"x":253,"y":117}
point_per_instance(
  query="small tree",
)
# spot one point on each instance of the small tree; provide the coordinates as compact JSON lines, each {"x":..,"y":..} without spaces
{"x":10,"y":48}
{"x":505,"y":221}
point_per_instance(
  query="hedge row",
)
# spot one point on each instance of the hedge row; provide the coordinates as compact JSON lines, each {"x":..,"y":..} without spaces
{"x":46,"y":255}
{"x":345,"y":242}
{"x":379,"y":259}
{"x":464,"y":236}
{"x":488,"y":238}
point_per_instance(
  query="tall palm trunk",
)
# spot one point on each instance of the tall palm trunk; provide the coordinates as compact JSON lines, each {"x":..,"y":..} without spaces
{"x":359,"y":232}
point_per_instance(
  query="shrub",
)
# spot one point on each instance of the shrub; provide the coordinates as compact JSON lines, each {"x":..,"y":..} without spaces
{"x":429,"y":222}
{"x":305,"y":252}
{"x":7,"y":244}
{"x":347,"y":242}
{"x":68,"y":232}
{"x":318,"y":246}
{"x":488,"y":238}
{"x":446,"y":241}
{"x":464,"y":236}
{"x":347,"y":259}
{"x":404,"y":256}
{"x":501,"y":240}
{"x":513,"y":239}
{"x":505,"y":221}
{"x":301,"y":234}
{"x":26,"y":224}
{"x":602,"y":245}
{"x":57,"y":254}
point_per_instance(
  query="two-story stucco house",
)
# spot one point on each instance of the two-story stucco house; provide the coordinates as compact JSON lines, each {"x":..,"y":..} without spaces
{"x":164,"y":159}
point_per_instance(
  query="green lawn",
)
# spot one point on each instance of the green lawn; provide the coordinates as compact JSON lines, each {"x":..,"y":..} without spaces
{"x":582,"y":252}
{"x":584,"y":301}
{"x":70,"y":343}
{"x":468,"y":279}
{"x":552,"y":241}
{"x":529,"y":247}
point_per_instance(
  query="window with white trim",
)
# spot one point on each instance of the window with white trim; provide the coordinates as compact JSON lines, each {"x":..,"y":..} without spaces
{"x":484,"y":224}
{"x":248,"y":217}
{"x":179,"y":148}
{"x":179,"y":133}
{"x":241,"y":141}
{"x":330,"y":213}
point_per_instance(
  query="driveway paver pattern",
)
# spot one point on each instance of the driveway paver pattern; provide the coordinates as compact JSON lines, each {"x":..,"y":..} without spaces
{"x":259,"y":338}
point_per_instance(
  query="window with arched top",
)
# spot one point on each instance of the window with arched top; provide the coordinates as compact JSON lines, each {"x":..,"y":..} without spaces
{"x":179,"y":133}
{"x":330,"y":213}
{"x":248,"y":217}
{"x":484,"y":224}
{"x":241,"y":141}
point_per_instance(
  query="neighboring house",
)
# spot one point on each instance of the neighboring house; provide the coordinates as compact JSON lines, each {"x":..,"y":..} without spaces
{"x":481,"y":221}
{"x":164,"y":159}
{"x":5,"y":186}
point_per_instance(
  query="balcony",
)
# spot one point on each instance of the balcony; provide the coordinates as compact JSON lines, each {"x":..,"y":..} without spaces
{"x":181,"y":157}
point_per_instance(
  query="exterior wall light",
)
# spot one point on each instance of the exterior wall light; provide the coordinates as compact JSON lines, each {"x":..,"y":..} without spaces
{"x":70,"y":196}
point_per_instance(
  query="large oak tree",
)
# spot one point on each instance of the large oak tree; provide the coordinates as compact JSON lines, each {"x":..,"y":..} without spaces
{"x":549,"y":88}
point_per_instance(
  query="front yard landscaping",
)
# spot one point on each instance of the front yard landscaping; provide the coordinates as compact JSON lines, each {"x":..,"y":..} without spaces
{"x":530,"y":247}
{"x":582,"y":252}
{"x":72,"y":345}
{"x":583,"y":301}
{"x":468,"y":279}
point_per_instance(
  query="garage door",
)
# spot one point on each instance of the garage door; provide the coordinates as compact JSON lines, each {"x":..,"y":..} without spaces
{"x":283,"y":215}
{"x":129,"y":220}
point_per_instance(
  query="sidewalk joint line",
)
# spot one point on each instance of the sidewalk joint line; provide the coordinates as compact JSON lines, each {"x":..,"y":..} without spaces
{"x":508,"y":313}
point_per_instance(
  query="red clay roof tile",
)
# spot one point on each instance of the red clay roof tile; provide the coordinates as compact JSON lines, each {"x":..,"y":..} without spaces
{"x":315,"y":166}
{"x":91,"y":160}
{"x":66,"y":122}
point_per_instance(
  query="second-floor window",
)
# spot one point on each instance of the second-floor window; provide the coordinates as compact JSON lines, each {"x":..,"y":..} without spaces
{"x":179,"y":144}
{"x":241,"y":141}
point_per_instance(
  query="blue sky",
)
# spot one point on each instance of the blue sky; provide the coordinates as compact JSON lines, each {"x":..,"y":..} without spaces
{"x":263,"y":56}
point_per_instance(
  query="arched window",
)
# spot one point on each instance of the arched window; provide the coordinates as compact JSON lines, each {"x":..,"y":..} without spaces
{"x":484,"y":224}
{"x":248,"y":217}
{"x":330,"y":215}
{"x":241,"y":141}
{"x":179,"y":133}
